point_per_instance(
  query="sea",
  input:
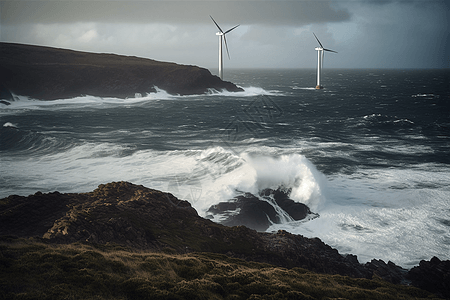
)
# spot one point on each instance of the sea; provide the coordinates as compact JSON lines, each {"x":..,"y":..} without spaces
{"x":369,"y":153}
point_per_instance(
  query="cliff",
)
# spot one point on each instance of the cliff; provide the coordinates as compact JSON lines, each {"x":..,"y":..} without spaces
{"x":49,"y":73}
{"x":144,"y":219}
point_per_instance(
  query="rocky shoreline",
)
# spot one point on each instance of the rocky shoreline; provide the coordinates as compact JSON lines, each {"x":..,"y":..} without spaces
{"x":121,"y":213}
{"x":47,"y":73}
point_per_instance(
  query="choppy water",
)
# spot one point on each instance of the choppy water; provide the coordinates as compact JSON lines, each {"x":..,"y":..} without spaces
{"x":369,"y":153}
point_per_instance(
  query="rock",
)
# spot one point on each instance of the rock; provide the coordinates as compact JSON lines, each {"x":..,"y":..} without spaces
{"x":32,"y":215}
{"x":312,"y":254}
{"x":389,"y":272}
{"x":433,"y":276}
{"x":49,"y":73}
{"x":246,"y":210}
{"x":298,"y":211}
{"x":260,"y":213}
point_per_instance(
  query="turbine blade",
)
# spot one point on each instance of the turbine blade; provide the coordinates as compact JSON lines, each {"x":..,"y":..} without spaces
{"x":230,"y":29}
{"x":216,"y":24}
{"x":318,"y":40}
{"x":329,"y":50}
{"x":226,"y":46}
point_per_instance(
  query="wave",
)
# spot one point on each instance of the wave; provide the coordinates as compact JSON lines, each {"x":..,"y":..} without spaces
{"x":18,"y":140}
{"x":303,"y":88}
{"x":25,"y":103}
{"x":203,"y":177}
{"x":384,"y":214}
{"x":290,"y":171}
{"x":379,"y":119}
{"x":221,"y":174}
{"x":9,"y":124}
{"x":248,"y":92}
{"x":430,"y":96}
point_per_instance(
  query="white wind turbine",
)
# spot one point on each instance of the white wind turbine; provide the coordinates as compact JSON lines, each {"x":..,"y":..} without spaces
{"x":221,"y":35}
{"x":320,"y":51}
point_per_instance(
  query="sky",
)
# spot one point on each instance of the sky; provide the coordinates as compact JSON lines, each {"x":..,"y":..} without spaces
{"x":272,"y":34}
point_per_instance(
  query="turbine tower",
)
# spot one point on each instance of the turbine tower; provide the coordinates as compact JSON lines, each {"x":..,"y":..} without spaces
{"x":320,"y":50}
{"x":221,"y":35}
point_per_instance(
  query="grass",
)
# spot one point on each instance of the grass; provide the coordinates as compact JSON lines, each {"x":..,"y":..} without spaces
{"x":30,"y":269}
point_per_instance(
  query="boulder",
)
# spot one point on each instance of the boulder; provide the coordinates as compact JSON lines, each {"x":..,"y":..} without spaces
{"x":247,"y":210}
{"x":298,"y":211}
{"x":259,"y":213}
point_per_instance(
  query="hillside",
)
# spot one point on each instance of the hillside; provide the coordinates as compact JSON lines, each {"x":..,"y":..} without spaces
{"x":46,"y":73}
{"x":136,"y":219}
{"x":36,"y":270}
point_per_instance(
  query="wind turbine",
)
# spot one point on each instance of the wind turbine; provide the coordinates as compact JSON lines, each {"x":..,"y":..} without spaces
{"x":221,"y":35}
{"x":320,"y":50}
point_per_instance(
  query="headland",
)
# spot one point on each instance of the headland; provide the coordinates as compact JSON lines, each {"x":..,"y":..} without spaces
{"x":46,"y":73}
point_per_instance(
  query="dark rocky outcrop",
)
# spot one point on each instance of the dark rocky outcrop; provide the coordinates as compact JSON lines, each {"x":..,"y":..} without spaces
{"x":388,"y":271}
{"x":137,"y":217}
{"x":433,"y":276}
{"x":259,"y":212}
{"x":49,"y":73}
{"x":246,"y":210}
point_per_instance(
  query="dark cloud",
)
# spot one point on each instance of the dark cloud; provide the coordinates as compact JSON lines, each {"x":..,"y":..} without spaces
{"x":273,"y":34}
{"x":295,"y":13}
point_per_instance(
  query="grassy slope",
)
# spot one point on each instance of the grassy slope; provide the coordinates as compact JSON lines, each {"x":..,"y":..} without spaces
{"x":33,"y":270}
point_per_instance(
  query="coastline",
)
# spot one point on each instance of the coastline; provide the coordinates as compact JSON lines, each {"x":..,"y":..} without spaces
{"x":136,"y":217}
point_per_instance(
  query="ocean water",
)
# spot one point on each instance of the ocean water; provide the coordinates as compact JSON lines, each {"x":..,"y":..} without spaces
{"x":370,"y":153}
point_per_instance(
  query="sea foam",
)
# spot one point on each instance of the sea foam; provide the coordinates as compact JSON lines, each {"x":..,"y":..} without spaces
{"x":225,"y":174}
{"x":27,"y":103}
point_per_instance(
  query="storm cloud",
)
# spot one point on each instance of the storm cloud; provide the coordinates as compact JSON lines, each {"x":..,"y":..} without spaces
{"x":272,"y":34}
{"x":293,"y":13}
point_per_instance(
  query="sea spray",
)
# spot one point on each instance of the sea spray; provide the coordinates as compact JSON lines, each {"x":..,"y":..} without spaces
{"x":248,"y":173}
{"x":292,"y":171}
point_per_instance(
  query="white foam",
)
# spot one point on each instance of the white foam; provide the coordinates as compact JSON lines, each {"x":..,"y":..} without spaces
{"x":293,"y":171}
{"x":303,"y":88}
{"x":9,"y":124}
{"x":203,"y":177}
{"x":423,"y":95}
{"x":247,"y":92}
{"x":27,"y":103}
{"x":224,"y":175}
{"x":391,"y":214}
{"x":24,"y":103}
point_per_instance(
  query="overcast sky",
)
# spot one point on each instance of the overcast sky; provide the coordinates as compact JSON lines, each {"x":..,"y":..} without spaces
{"x":272,"y":34}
